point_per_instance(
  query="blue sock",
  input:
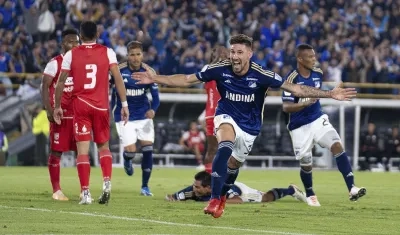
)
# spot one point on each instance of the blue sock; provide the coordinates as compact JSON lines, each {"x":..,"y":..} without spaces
{"x":219,"y":168}
{"x":129,"y":155}
{"x":147,"y":164}
{"x":344,"y":167}
{"x":230,"y":179}
{"x":306,"y":178}
{"x":282,"y":192}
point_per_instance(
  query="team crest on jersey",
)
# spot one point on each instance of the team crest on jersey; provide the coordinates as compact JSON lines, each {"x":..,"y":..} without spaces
{"x":317,"y":84}
{"x":56,"y":138}
{"x":252,"y":84}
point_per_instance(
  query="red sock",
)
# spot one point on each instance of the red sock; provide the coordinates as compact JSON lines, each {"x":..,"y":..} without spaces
{"x":208,"y":167}
{"x":106,"y":163}
{"x":83,"y":166}
{"x":54,"y":172}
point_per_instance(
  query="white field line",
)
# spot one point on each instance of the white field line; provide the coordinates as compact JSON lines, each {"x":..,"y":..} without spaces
{"x":151,"y":221}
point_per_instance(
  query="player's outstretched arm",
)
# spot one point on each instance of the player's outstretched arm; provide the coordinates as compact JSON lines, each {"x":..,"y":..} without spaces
{"x":303,"y":91}
{"x":176,"y":80}
{"x":290,"y":107}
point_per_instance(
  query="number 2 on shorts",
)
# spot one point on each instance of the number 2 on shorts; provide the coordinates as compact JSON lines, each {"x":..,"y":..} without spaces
{"x":91,"y":74}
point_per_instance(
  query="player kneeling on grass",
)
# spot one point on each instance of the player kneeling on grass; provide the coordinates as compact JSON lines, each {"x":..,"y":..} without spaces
{"x":140,"y":125}
{"x":238,"y":193}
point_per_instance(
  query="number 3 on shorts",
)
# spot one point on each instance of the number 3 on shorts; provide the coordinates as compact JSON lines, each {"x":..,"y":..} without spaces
{"x":91,"y":74}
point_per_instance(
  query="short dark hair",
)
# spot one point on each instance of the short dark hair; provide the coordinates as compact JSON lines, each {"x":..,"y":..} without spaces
{"x":134,"y":45}
{"x":204,"y":177}
{"x":241,"y":39}
{"x":89,"y":30}
{"x":66,"y":32}
{"x":302,"y":47}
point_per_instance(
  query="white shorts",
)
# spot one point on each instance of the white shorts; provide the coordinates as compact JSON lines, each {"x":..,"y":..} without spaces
{"x":243,"y":141}
{"x":305,"y":137}
{"x":249,"y":194}
{"x":134,"y":130}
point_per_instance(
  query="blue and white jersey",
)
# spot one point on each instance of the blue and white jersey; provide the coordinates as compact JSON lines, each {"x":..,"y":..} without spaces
{"x":136,"y":95}
{"x":310,"y":113}
{"x":242,"y":97}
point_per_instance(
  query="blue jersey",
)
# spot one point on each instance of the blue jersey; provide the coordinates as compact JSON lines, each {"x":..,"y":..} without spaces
{"x":242,"y":97}
{"x":310,"y":113}
{"x":136,"y":95}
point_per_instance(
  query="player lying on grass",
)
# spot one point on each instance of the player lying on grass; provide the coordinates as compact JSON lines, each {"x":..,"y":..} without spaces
{"x":238,"y":192}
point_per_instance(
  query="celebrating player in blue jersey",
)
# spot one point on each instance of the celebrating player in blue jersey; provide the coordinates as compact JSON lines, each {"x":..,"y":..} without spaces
{"x":309,"y":125}
{"x":243,"y":87}
{"x":140,"y":126}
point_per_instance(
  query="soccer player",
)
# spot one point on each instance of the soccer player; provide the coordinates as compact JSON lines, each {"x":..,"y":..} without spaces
{"x":219,"y":53}
{"x":90,"y":64}
{"x":140,"y":126}
{"x":61,"y":136}
{"x":238,"y":192}
{"x":309,"y":125}
{"x":243,"y":87}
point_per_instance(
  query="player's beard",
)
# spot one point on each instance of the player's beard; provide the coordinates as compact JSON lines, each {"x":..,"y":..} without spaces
{"x":237,"y":68}
{"x":135,"y":65}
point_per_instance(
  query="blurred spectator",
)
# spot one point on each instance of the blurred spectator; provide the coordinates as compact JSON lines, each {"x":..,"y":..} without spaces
{"x":193,"y":141}
{"x":369,"y":146}
{"x":40,"y":129}
{"x":46,"y":22}
{"x":3,"y":148}
{"x":355,"y":41}
{"x":392,"y":146}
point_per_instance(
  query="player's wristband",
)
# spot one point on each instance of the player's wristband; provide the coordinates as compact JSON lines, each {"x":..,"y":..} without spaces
{"x":124,"y":104}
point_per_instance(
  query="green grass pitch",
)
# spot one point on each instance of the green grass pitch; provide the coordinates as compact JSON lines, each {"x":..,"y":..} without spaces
{"x":26,"y":206}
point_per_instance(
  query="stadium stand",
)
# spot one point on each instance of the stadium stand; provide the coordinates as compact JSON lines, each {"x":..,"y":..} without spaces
{"x":356,"y":42}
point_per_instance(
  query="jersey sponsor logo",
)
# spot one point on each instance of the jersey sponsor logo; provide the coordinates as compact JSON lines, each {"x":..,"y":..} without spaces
{"x":252,"y":84}
{"x":56,"y":138}
{"x":315,"y":79}
{"x":84,"y":130}
{"x":68,"y":89}
{"x":251,"y":79}
{"x":134,"y":92}
{"x":125,"y":75}
{"x":69,"y":81}
{"x":286,"y":93}
{"x":239,"y":97}
{"x":227,"y":75}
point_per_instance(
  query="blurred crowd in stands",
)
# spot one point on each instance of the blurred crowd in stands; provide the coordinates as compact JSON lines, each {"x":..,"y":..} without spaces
{"x":356,"y":41}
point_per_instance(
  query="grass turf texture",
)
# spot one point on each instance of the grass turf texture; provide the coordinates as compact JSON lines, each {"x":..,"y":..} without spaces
{"x":27,"y":207}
